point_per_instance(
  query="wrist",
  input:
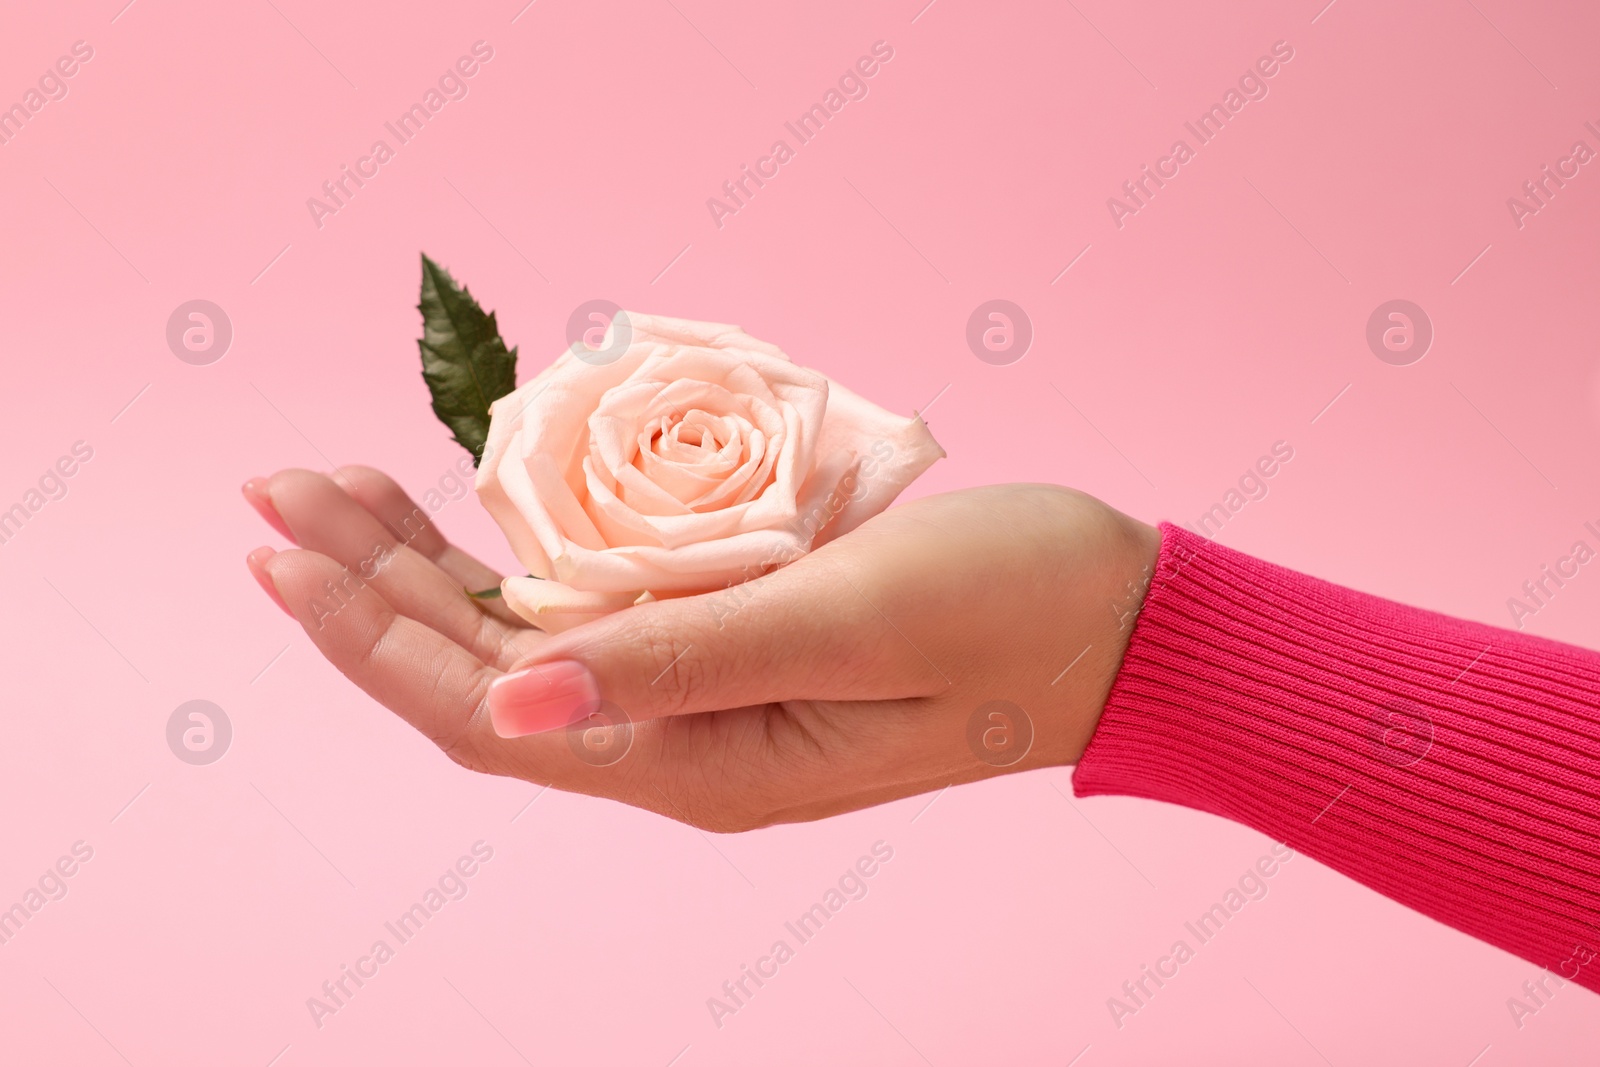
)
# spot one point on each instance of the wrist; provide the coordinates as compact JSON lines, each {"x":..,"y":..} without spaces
{"x":1109,"y":565}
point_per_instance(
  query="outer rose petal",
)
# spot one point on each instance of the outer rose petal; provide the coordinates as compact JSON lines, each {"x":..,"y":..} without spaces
{"x":703,"y":334}
{"x":697,"y":568}
{"x":554,"y":607}
{"x":858,"y":425}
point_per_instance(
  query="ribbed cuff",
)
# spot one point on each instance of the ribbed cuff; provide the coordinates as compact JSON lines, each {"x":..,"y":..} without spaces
{"x":1451,"y":766}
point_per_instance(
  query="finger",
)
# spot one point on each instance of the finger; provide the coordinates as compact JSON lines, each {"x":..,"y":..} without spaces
{"x":413,"y":525}
{"x":327,"y":520}
{"x":428,"y":680}
{"x":391,"y":505}
{"x":420,"y":674}
{"x":806,"y":632}
{"x":255,"y":494}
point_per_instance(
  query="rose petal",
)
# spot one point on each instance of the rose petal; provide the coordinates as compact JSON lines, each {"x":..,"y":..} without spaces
{"x":902,"y":449}
{"x":672,"y":331}
{"x":554,"y":607}
{"x":691,"y":568}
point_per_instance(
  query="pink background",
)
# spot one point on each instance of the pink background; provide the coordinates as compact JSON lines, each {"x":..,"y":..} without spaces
{"x":1224,"y":316}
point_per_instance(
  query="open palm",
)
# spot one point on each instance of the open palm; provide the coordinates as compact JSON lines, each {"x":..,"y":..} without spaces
{"x":848,"y":678}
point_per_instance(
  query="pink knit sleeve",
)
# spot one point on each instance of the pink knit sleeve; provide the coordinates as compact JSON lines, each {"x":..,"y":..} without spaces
{"x":1452,"y":766}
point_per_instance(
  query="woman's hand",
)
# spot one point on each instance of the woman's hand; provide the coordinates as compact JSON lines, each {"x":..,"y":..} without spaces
{"x":870,"y":670}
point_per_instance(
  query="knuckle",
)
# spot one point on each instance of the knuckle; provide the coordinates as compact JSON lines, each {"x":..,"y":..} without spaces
{"x":492,"y":640}
{"x":458,"y":734}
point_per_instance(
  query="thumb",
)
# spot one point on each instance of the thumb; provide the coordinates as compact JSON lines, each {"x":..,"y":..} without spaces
{"x":795,"y":634}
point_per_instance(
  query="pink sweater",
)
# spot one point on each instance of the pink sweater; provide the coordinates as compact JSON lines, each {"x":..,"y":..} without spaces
{"x":1452,"y":766}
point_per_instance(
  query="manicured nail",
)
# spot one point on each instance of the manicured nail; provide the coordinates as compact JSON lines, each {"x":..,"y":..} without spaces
{"x":257,"y":562}
{"x":255,"y":491}
{"x":544,"y":697}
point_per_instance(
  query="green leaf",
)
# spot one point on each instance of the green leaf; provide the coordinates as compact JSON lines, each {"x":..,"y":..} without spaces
{"x":487,"y":594}
{"x":464,"y":361}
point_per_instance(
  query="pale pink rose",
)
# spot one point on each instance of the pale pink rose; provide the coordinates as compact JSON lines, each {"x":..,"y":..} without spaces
{"x":696,"y":458}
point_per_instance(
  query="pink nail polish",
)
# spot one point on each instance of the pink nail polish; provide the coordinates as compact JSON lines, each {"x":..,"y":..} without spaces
{"x":255,"y":491}
{"x":546,"y":696}
{"x":257,"y":562}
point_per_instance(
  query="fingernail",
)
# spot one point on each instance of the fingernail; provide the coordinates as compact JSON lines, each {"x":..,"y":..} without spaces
{"x":255,"y":491}
{"x":257,"y":562}
{"x":544,"y":697}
